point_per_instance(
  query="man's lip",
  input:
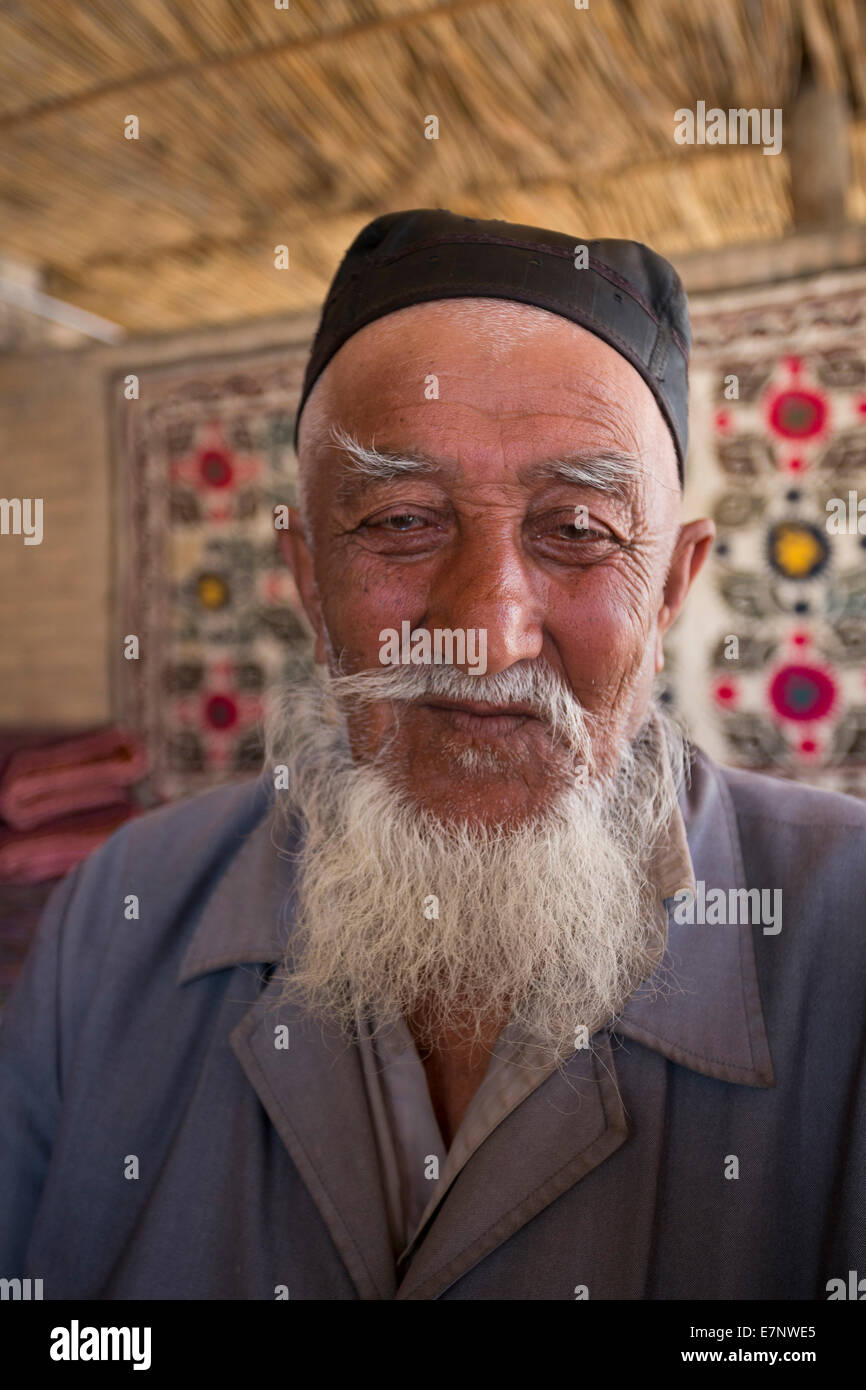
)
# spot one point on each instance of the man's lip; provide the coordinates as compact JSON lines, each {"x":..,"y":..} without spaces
{"x":485,"y":710}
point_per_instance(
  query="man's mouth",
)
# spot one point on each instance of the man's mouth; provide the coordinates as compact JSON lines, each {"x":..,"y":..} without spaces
{"x":480,"y":717}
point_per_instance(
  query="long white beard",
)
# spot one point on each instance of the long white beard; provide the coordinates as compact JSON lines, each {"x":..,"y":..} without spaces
{"x":552,"y":924}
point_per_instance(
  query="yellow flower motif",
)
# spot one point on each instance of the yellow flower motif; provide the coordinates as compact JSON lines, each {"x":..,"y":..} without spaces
{"x":212,"y":591}
{"x":796,"y":550}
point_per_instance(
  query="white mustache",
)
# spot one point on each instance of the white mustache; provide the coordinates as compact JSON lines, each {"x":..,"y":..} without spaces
{"x":526,"y":683}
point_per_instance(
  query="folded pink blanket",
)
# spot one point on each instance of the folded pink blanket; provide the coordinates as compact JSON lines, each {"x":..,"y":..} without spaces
{"x":54,"y":849}
{"x":41,"y":784}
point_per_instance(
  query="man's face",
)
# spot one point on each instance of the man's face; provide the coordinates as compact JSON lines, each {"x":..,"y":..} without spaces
{"x":485,"y":537}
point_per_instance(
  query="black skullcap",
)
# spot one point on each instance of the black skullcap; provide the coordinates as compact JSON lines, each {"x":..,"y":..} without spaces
{"x":627,"y":295}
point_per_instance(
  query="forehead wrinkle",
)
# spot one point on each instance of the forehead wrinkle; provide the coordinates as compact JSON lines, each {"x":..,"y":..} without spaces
{"x":596,"y":401}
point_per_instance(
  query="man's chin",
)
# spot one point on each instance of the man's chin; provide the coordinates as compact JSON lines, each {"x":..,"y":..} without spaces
{"x":482,"y":789}
{"x":456,"y":774}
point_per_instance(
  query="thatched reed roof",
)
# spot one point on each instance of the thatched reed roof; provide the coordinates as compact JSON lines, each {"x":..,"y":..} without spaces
{"x":261,"y":126}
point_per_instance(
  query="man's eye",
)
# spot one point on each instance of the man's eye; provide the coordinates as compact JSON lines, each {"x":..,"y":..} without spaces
{"x":398,"y":521}
{"x":570,"y":536}
{"x":572,"y":524}
{"x":574,"y":531}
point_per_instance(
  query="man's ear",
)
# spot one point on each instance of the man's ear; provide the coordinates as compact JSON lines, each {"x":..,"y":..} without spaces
{"x":296,"y":554}
{"x":690,"y":552}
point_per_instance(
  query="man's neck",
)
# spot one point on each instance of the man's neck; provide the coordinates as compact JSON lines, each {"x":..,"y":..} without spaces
{"x":454,"y":1067}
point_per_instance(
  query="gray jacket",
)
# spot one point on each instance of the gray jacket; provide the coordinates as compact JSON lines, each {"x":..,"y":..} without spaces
{"x":154,"y":1143}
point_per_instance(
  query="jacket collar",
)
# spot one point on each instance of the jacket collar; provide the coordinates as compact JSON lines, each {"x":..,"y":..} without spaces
{"x":246,"y":919}
{"x":702,"y":1008}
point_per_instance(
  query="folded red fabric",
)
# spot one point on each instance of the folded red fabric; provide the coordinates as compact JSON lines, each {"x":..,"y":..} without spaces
{"x":78,"y":774}
{"x":52,"y":850}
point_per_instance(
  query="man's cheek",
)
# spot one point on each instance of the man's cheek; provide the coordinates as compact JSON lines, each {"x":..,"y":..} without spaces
{"x":596,"y":632}
{"x":624,"y":615}
{"x":358,"y":611}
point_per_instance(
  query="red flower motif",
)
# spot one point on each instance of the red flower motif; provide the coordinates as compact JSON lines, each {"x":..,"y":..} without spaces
{"x":215,"y":469}
{"x":221,"y":712}
{"x":802,"y":693}
{"x":798,"y":414}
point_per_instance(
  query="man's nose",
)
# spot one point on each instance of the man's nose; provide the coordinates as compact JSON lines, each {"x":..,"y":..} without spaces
{"x":488,"y":586}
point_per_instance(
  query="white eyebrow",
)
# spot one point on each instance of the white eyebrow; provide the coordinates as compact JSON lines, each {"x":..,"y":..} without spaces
{"x":608,"y":470}
{"x":603,"y":471}
{"x":372,"y":464}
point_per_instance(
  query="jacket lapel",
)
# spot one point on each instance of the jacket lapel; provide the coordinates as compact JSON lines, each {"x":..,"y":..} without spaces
{"x":314,"y":1094}
{"x":313,"y":1089}
{"x":707,"y":1015}
{"x":565,"y":1128}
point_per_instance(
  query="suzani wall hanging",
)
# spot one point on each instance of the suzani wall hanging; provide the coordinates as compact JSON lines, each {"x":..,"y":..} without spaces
{"x":204,"y":456}
{"x":768,"y":663}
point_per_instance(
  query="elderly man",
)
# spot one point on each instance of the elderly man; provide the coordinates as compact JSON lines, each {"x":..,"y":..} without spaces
{"x":438,"y":1007}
